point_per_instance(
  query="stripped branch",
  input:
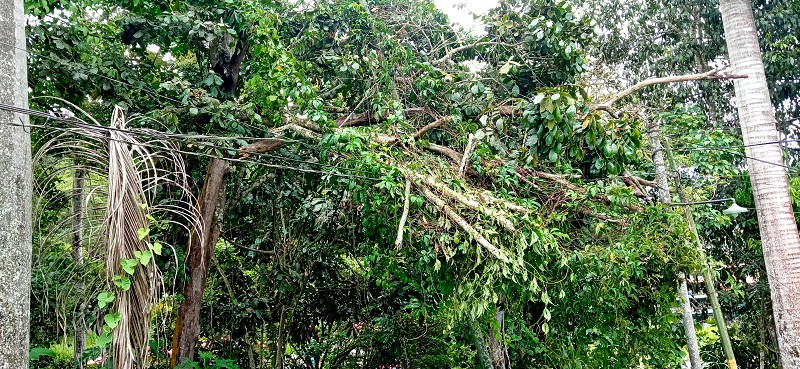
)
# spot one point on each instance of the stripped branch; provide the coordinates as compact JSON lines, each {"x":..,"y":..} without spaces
{"x":589,"y":212}
{"x":465,"y":158}
{"x":368,"y":118}
{"x":713,"y":74}
{"x":435,"y":124}
{"x":571,"y":186}
{"x":461,"y":222}
{"x":398,"y":243}
{"x":472,"y":204}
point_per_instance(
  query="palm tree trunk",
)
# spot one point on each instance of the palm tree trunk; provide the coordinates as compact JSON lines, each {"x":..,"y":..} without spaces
{"x":780,"y":241}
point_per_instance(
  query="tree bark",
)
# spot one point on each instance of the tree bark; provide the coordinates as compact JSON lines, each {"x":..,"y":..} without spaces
{"x":201,"y":246}
{"x":211,"y":210}
{"x":482,"y":358}
{"x":498,"y":349}
{"x":16,"y":189}
{"x":692,"y":346}
{"x":780,"y":241}
{"x":79,"y":320}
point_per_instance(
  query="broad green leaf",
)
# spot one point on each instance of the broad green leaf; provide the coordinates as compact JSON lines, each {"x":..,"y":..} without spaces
{"x":122,"y":282}
{"x":143,"y":256}
{"x":112,"y":319}
{"x":36,"y":353}
{"x":143,"y":232}
{"x":104,"y":298}
{"x":129,"y":265}
{"x":156,"y":247}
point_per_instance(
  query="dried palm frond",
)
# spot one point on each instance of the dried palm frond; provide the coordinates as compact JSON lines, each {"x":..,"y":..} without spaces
{"x":130,"y":168}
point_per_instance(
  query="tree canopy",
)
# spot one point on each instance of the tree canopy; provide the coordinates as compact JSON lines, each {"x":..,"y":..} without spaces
{"x":360,"y":184}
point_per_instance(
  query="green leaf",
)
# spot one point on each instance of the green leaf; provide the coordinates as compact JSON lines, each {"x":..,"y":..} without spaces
{"x":193,"y":111}
{"x":156,"y":247}
{"x":143,"y":232}
{"x":112,"y":319}
{"x":122,"y":282}
{"x":143,"y":256}
{"x":36,"y":353}
{"x":103,"y":340}
{"x":104,"y":298}
{"x":553,"y":155}
{"x":538,"y":98}
{"x":129,"y":265}
{"x":555,"y":96}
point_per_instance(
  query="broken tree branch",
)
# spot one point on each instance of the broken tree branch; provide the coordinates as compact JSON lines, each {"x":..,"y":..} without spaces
{"x":713,"y":74}
{"x":472,"y":204}
{"x":447,"y":56}
{"x":465,"y":158}
{"x":398,"y":243}
{"x":589,"y":212}
{"x":435,"y":124}
{"x":368,"y":118}
{"x":461,"y":222}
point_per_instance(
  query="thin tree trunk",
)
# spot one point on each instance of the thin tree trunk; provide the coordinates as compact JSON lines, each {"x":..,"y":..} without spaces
{"x":662,"y":181}
{"x":780,"y":241}
{"x":79,"y":320}
{"x":482,"y":358}
{"x":762,"y":337}
{"x":280,"y":344}
{"x":201,"y":246}
{"x":16,"y":189}
{"x":251,"y":361}
{"x":688,"y":326}
{"x":498,"y":349}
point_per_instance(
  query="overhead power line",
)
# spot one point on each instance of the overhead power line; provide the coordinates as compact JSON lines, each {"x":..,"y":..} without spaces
{"x":178,"y":138}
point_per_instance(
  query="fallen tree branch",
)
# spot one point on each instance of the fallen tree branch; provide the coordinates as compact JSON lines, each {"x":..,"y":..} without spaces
{"x":713,"y":74}
{"x":398,"y":243}
{"x":368,"y":118}
{"x":638,"y":191}
{"x":447,"y":56}
{"x":465,"y":157}
{"x":435,"y":124}
{"x":472,"y":204}
{"x":461,"y":222}
{"x":589,"y":212}
{"x":572,"y":187}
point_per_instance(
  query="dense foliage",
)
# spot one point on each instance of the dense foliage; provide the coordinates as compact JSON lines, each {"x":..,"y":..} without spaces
{"x":400,"y":192}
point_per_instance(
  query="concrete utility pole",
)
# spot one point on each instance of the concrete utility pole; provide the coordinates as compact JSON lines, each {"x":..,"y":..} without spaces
{"x":15,"y":191}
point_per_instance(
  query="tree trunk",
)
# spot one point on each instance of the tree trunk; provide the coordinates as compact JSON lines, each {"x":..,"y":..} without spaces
{"x":201,"y":246}
{"x":16,"y":187}
{"x":662,"y":181}
{"x":79,"y":320}
{"x":482,"y":358}
{"x":280,"y":344}
{"x":688,"y":326}
{"x":762,"y":337}
{"x":499,"y":351}
{"x":780,"y":241}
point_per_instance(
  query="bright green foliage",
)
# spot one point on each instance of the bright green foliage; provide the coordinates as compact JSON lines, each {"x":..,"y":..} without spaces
{"x":307,"y":268}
